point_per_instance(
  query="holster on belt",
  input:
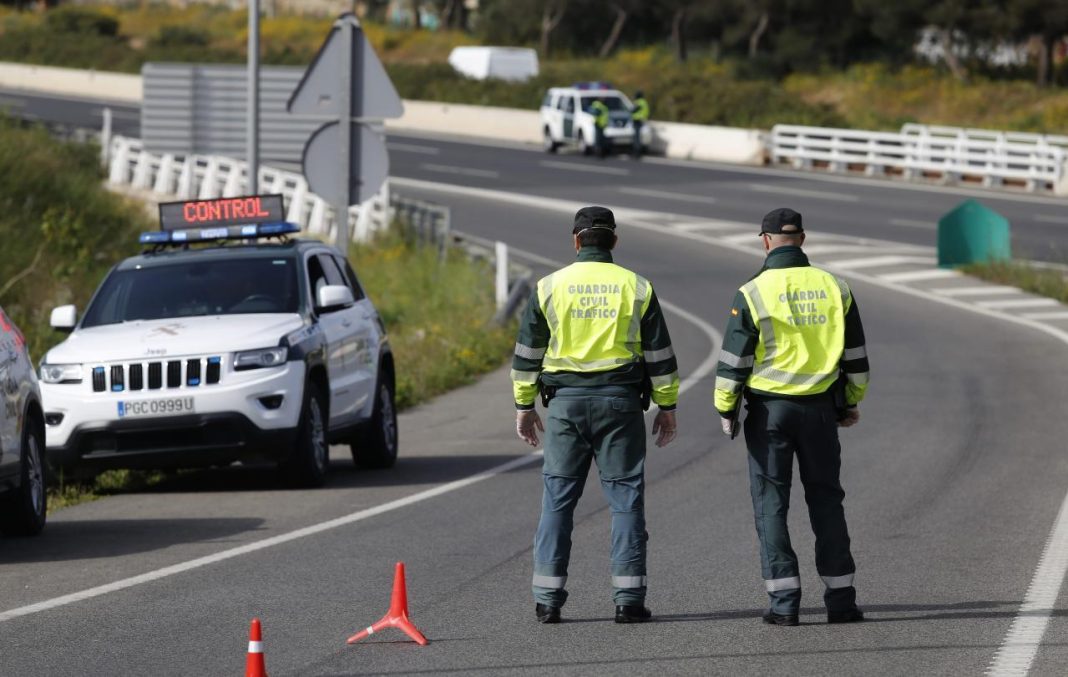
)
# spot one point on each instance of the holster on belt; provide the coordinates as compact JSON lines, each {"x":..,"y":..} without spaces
{"x":647,"y":389}
{"x":547,"y":394}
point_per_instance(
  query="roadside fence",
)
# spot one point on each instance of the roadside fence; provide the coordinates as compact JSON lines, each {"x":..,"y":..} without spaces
{"x":917,"y":152}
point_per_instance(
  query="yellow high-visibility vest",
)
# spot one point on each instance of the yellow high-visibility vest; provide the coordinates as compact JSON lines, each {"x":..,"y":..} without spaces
{"x":800,"y":313}
{"x":594,"y":312}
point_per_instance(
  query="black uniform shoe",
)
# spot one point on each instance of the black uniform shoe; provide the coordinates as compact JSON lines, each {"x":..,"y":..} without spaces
{"x":546,"y":613}
{"x":853,"y":615}
{"x":633,"y":614}
{"x":772,"y":618}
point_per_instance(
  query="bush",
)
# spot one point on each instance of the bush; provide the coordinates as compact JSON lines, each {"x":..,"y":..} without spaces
{"x":81,"y":21}
{"x":181,"y":36}
{"x":61,"y":229}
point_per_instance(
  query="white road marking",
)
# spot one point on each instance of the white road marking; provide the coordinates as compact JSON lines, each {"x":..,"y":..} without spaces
{"x":989,"y":290}
{"x":1025,"y":636}
{"x":803,"y":192}
{"x":1050,"y":218}
{"x":463,"y":171}
{"x":1004,"y":304}
{"x":1018,"y":651}
{"x":591,"y":169}
{"x":696,"y":376}
{"x":910,"y":223}
{"x":876,"y":261}
{"x":412,"y":148}
{"x":920,"y":275}
{"x":1049,"y":315}
{"x":741,"y":239}
{"x":665,"y":195}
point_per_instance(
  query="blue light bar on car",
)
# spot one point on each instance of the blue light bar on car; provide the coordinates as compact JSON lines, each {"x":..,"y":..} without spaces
{"x":592,"y":85}
{"x":243,"y":232}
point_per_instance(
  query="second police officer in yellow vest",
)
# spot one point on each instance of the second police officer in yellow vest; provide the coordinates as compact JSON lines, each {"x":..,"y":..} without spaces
{"x":794,"y":345}
{"x":639,"y":117}
{"x":594,"y":343}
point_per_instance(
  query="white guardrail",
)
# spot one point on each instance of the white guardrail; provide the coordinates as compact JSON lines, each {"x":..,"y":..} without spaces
{"x":207,"y":176}
{"x":951,"y":155}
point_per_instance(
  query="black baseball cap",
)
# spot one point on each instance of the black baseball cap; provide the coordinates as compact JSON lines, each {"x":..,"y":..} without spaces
{"x":594,"y":217}
{"x":782,"y":221}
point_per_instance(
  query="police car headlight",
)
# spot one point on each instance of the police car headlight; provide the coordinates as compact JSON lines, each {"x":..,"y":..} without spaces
{"x":61,"y":373}
{"x":256,"y":359}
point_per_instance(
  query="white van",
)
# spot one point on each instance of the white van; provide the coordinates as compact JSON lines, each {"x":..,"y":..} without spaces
{"x":504,"y":63}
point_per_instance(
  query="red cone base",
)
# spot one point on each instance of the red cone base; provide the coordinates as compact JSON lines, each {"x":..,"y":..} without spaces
{"x":397,"y":616}
{"x":254,"y":666}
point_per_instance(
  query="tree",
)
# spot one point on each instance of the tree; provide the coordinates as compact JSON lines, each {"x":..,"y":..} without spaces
{"x":1043,"y":23}
{"x":623,"y":10}
{"x":961,"y":22}
{"x":552,"y":13}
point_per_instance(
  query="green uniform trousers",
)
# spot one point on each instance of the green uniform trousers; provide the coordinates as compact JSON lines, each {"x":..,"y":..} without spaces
{"x":603,"y":424}
{"x":777,"y":429}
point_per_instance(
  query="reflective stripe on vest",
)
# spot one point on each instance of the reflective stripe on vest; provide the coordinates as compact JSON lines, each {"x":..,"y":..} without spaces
{"x":800,"y":313}
{"x":594,"y":312}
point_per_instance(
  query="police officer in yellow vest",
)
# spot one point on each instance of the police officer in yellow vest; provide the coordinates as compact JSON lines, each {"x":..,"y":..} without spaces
{"x":638,"y":119}
{"x":601,"y":118}
{"x":595,"y":344}
{"x":794,"y":345}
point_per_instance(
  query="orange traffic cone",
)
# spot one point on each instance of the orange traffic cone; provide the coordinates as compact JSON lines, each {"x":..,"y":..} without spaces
{"x":397,"y":616}
{"x":254,"y":666}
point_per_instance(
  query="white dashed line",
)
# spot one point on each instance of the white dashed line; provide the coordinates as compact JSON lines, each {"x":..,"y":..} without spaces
{"x":590,"y":169}
{"x":910,"y":223}
{"x":920,"y":275}
{"x":802,"y":192}
{"x":876,"y":261}
{"x":1004,"y":304}
{"x":989,"y":290}
{"x":1050,"y":315}
{"x":664,"y":195}
{"x":412,"y":148}
{"x":1050,"y":218}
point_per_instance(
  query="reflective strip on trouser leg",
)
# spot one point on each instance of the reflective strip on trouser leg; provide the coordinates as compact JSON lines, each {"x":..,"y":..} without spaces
{"x":629,"y":581}
{"x":778,"y":584}
{"x":550,"y":582}
{"x":835,"y":582}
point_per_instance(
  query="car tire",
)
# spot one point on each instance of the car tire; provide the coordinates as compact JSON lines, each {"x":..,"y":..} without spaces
{"x":375,"y":447}
{"x":309,"y":461}
{"x":25,"y":510}
{"x":547,"y":142}
{"x":584,"y":145}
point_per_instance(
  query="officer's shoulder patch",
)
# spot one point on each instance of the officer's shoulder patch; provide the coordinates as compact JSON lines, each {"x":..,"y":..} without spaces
{"x":734,"y":312}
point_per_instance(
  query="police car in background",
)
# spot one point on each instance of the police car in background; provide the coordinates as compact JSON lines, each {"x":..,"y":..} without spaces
{"x":566,"y":120}
{"x":23,"y":502}
{"x":249,"y":346}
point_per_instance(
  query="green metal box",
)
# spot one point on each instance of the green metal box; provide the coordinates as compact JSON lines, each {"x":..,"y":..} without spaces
{"x":972,"y":233}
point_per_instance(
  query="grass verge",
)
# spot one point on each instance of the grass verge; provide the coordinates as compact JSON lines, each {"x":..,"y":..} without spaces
{"x":1041,"y":281}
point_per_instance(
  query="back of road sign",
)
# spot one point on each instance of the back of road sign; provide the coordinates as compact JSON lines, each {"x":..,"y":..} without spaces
{"x":367,"y":151}
{"x":373,"y":95}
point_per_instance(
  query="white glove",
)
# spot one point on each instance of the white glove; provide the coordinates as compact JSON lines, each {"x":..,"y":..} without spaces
{"x":729,"y":426}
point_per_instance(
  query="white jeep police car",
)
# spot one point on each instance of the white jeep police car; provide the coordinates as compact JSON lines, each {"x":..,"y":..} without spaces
{"x":566,"y":118}
{"x":241,"y":348}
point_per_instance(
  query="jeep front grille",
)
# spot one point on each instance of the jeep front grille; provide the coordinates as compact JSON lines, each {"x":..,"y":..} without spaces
{"x":189,"y":373}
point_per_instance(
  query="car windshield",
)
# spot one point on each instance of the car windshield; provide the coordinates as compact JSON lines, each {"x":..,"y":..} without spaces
{"x":614,"y":103}
{"x":186,"y":289}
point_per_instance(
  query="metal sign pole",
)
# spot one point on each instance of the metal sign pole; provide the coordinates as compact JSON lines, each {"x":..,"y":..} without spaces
{"x":253,"y":149}
{"x":341,"y":240}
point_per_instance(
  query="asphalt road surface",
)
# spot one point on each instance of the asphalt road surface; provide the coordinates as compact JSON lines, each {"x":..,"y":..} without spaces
{"x":954,"y":478}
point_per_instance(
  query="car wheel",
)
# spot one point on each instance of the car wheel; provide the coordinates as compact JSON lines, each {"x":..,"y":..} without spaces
{"x":584,"y":145}
{"x":375,"y":446}
{"x":547,"y":142}
{"x":310,"y":459}
{"x":26,"y":508}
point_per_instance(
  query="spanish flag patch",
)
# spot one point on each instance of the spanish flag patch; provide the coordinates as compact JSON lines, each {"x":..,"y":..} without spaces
{"x":734,"y":312}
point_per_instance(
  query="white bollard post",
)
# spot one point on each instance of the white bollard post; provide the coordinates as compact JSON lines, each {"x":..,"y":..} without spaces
{"x":502,"y":274}
{"x":105,"y":137}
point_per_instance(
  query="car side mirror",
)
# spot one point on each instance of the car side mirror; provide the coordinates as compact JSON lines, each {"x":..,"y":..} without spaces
{"x":64,"y":318}
{"x":334,"y":297}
